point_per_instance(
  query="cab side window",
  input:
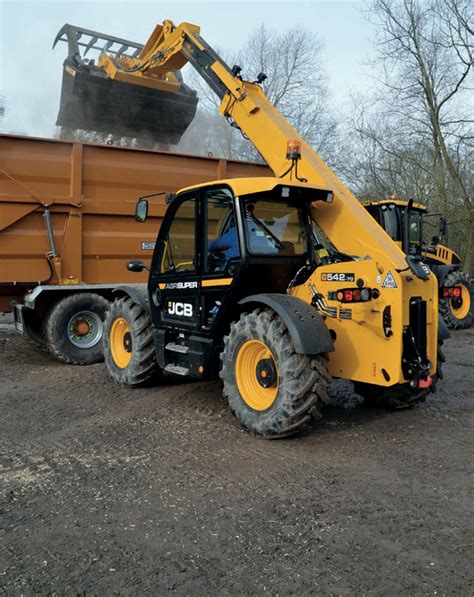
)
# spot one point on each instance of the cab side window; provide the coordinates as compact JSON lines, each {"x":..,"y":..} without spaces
{"x":179,"y":246}
{"x":221,"y":238}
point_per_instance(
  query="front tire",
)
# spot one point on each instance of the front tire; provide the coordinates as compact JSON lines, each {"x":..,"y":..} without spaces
{"x":272,"y":390}
{"x":458,"y":313}
{"x":129,"y":351}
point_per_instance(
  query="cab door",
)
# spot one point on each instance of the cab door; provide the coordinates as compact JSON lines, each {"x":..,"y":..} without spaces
{"x":174,"y":279}
{"x":221,"y":254}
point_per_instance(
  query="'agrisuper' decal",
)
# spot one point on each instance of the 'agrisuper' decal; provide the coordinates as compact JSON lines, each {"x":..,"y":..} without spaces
{"x":148,"y":246}
{"x":337,"y":277}
{"x":181,"y":285}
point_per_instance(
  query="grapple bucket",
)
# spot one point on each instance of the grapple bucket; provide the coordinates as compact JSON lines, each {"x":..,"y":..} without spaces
{"x":90,"y":100}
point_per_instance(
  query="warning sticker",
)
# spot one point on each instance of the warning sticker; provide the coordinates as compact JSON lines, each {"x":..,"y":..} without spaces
{"x":389,"y":281}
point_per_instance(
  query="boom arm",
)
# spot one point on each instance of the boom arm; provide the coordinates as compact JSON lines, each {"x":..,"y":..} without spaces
{"x":345,"y":221}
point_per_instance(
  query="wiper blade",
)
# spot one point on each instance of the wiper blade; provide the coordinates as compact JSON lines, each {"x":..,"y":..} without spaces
{"x":262,"y":226}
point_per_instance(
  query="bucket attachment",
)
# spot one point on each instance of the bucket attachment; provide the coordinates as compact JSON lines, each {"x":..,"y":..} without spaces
{"x":93,"y":101}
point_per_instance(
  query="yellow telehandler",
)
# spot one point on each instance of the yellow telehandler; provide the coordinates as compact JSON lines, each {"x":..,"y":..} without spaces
{"x":276,"y":284}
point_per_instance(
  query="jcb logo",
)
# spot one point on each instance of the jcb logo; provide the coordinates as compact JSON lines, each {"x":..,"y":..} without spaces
{"x":180,"y":309}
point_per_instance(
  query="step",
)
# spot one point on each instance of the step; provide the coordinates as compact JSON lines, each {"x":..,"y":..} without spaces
{"x":177,"y":348}
{"x":176,"y":369}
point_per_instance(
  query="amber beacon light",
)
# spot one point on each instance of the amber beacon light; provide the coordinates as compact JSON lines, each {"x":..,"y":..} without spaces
{"x":293,"y":150}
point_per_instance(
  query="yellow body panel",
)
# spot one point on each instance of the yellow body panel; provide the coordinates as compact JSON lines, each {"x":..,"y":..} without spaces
{"x":444,"y":255}
{"x":399,"y":202}
{"x":245,"y":186}
{"x":362,"y":350}
{"x":163,"y":82}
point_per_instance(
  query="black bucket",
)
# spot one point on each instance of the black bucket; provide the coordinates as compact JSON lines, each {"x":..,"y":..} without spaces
{"x":93,"y":102}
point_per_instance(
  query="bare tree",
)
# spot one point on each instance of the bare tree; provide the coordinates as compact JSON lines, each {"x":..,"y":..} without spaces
{"x":295,"y":84}
{"x":425,"y":49}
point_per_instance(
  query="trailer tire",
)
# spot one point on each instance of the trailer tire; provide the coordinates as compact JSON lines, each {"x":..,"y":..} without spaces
{"x":272,"y":390}
{"x":34,"y":331}
{"x":458,"y":314}
{"x":74,"y":326}
{"x":399,"y":396}
{"x":129,"y":350}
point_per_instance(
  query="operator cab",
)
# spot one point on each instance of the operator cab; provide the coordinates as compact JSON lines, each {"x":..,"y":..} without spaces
{"x":220,"y":243}
{"x":391,"y":216}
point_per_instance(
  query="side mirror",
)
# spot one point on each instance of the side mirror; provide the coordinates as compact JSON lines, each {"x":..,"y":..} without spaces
{"x":442,"y":226}
{"x":136,"y":266}
{"x":435,"y":240}
{"x":141,"y":210}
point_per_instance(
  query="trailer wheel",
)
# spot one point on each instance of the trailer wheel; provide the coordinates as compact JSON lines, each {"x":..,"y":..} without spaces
{"x":272,"y":390}
{"x":399,"y":396}
{"x":33,"y":329}
{"x":129,"y":351}
{"x":458,"y":313}
{"x":74,"y":326}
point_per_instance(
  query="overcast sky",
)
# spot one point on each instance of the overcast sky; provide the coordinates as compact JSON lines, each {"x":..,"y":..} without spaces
{"x":30,"y":71}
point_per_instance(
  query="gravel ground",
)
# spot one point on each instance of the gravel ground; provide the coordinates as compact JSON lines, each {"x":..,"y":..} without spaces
{"x":109,"y":491}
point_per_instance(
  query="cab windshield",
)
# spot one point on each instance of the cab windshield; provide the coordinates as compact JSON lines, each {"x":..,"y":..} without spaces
{"x":274,"y":227}
{"x":415,"y":227}
{"x":391,"y":222}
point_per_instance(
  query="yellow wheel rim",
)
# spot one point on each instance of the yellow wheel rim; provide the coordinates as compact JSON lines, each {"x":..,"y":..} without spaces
{"x":254,"y":365}
{"x":121,"y":342}
{"x":463,"y":310}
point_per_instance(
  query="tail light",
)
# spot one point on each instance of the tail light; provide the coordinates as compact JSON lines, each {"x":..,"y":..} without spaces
{"x":451,"y":292}
{"x":351,"y":295}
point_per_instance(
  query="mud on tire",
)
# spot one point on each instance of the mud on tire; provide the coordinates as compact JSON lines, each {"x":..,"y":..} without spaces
{"x":139,"y":358}
{"x":302,"y":379}
{"x":73,"y":328}
{"x":458,"y":318}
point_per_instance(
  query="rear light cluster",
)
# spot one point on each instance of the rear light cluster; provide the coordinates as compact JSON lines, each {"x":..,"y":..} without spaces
{"x":353,"y":295}
{"x":451,"y":292}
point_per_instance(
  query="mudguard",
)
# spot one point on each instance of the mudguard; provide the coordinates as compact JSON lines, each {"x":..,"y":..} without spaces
{"x":441,"y":271}
{"x":306,"y":327}
{"x":137,"y":292}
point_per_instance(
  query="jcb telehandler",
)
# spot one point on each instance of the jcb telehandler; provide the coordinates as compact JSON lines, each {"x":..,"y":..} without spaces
{"x":276,"y":284}
{"x":403,"y":221}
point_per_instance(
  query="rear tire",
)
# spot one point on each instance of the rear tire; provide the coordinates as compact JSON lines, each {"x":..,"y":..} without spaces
{"x":73,"y":328}
{"x":129,"y":350}
{"x":259,"y":344}
{"x":458,"y":317}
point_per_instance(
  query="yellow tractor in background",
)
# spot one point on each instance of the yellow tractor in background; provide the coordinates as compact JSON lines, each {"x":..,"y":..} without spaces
{"x":403,"y":221}
{"x":276,"y":284}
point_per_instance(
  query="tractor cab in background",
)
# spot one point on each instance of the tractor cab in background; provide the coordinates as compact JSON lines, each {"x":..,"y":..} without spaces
{"x":400,"y":219}
{"x":403,"y":222}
